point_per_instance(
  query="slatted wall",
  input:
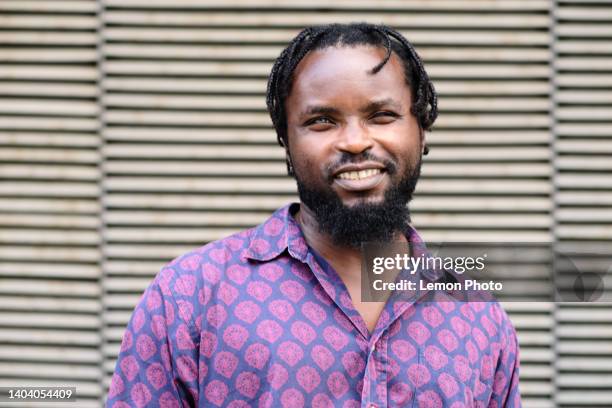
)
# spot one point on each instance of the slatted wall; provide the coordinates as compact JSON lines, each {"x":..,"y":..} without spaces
{"x":50,"y":271}
{"x":134,"y":130}
{"x":583,"y":150}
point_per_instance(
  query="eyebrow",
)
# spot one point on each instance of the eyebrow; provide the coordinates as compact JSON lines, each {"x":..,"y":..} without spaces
{"x":376,"y":105}
{"x":372,"y":106}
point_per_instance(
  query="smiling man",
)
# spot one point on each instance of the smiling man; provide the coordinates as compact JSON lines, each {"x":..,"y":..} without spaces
{"x":272,"y":316}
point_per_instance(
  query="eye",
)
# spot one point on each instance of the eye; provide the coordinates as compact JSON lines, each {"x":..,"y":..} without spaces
{"x":384,"y":117}
{"x":319,"y":123}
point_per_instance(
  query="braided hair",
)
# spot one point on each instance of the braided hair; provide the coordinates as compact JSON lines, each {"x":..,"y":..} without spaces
{"x":425,"y":100}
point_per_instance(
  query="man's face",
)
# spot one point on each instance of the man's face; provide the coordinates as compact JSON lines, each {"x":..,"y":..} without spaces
{"x":352,"y":138}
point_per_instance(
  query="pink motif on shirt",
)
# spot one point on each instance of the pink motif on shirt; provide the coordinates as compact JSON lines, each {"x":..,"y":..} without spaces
{"x":303,"y":332}
{"x":270,"y":272}
{"x":269,"y":330}
{"x":167,"y":400}
{"x":129,"y":367}
{"x":292,"y":398}
{"x":191,"y":262}
{"x":448,"y":340}
{"x":216,"y":392}
{"x":429,"y":399}
{"x":169,"y":310}
{"x":238,"y":274}
{"x":322,"y":356}
{"x":281,"y":309}
{"x":216,"y":315}
{"x":220,"y":255}
{"x":156,"y":375}
{"x":247,"y":311}
{"x":140,"y":395}
{"x":335,"y":338}
{"x":448,"y":385}
{"x":185,"y":285}
{"x":418,"y":375}
{"x":353,"y":363}
{"x":225,"y":363}
{"x":259,"y":290}
{"x":293,"y":290}
{"x":435,"y":357}
{"x":322,"y":401}
{"x":153,"y":300}
{"x":400,"y":393}
{"x":314,"y":313}
{"x":235,"y":336}
{"x":187,"y":368}
{"x":138,"y":320}
{"x":211,"y":273}
{"x":290,"y":352}
{"x":227,"y":293}
{"x":247,"y":384}
{"x":273,"y":227}
{"x":337,"y":384}
{"x":257,"y":355}
{"x":308,"y":378}
{"x":462,"y":368}
{"x":460,"y":326}
{"x":116,"y":386}
{"x":418,"y":332}
{"x":277,"y":376}
{"x":432,"y":316}
{"x":145,"y":347}
{"x":127,"y":341}
{"x":208,"y":343}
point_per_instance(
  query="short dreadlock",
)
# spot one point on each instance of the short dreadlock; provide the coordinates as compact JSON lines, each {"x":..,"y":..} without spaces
{"x":424,"y":104}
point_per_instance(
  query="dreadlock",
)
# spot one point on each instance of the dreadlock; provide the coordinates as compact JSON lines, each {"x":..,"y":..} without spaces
{"x":425,"y":100}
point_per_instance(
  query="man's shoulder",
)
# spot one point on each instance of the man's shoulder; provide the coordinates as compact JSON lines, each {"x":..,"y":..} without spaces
{"x":209,"y":263}
{"x":218,"y":254}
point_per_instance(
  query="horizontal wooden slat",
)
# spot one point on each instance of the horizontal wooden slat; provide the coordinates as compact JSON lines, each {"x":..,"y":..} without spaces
{"x":339,"y":4}
{"x":267,"y":19}
{"x":252,"y":36}
{"x":51,"y":270}
{"x":49,"y":304}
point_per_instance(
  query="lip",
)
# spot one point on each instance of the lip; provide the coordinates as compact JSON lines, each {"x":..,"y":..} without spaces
{"x":363,"y":184}
{"x":358,"y":167}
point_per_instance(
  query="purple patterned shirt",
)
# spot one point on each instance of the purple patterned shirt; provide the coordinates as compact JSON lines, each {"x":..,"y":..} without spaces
{"x":258,"y":320}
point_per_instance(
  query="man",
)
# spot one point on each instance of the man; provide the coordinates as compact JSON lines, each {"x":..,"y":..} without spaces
{"x":272,"y":316}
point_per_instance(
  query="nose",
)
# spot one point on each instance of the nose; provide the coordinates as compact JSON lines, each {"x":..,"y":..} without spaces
{"x":354,"y":138}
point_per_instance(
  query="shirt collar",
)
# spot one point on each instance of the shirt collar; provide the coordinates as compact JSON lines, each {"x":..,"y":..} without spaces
{"x":282,"y":232}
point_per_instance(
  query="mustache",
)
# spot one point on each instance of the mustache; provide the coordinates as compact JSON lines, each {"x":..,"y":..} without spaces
{"x":346,"y":158}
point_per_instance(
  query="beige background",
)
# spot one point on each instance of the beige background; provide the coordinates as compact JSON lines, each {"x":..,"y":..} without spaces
{"x":134,"y":130}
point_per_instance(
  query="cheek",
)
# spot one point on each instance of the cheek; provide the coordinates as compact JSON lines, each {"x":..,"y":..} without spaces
{"x":305,"y":165}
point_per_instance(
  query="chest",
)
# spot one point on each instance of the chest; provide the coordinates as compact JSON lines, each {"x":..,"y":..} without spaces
{"x":369,"y":311}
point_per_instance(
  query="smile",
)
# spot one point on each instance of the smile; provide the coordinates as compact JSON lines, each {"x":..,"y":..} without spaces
{"x":358,"y":175}
{"x":359,"y":180}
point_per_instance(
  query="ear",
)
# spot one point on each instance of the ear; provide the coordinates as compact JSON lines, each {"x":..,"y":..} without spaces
{"x":290,"y":171}
{"x":424,"y":147}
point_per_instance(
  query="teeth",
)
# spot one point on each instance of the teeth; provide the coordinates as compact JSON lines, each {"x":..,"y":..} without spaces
{"x":358,"y":175}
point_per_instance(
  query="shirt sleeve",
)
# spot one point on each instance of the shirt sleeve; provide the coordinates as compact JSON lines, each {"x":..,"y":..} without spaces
{"x":506,"y":380}
{"x":158,"y":360}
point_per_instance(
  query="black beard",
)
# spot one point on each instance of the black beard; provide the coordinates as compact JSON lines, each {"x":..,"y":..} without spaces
{"x":362,"y":222}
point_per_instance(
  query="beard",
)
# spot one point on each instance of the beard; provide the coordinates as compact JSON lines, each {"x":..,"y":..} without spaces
{"x":351,"y":226}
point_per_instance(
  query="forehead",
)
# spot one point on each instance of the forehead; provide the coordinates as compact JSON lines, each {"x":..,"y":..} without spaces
{"x":345,"y":72}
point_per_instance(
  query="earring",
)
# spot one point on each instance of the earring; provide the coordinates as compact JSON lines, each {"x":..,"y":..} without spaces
{"x":425,"y":150}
